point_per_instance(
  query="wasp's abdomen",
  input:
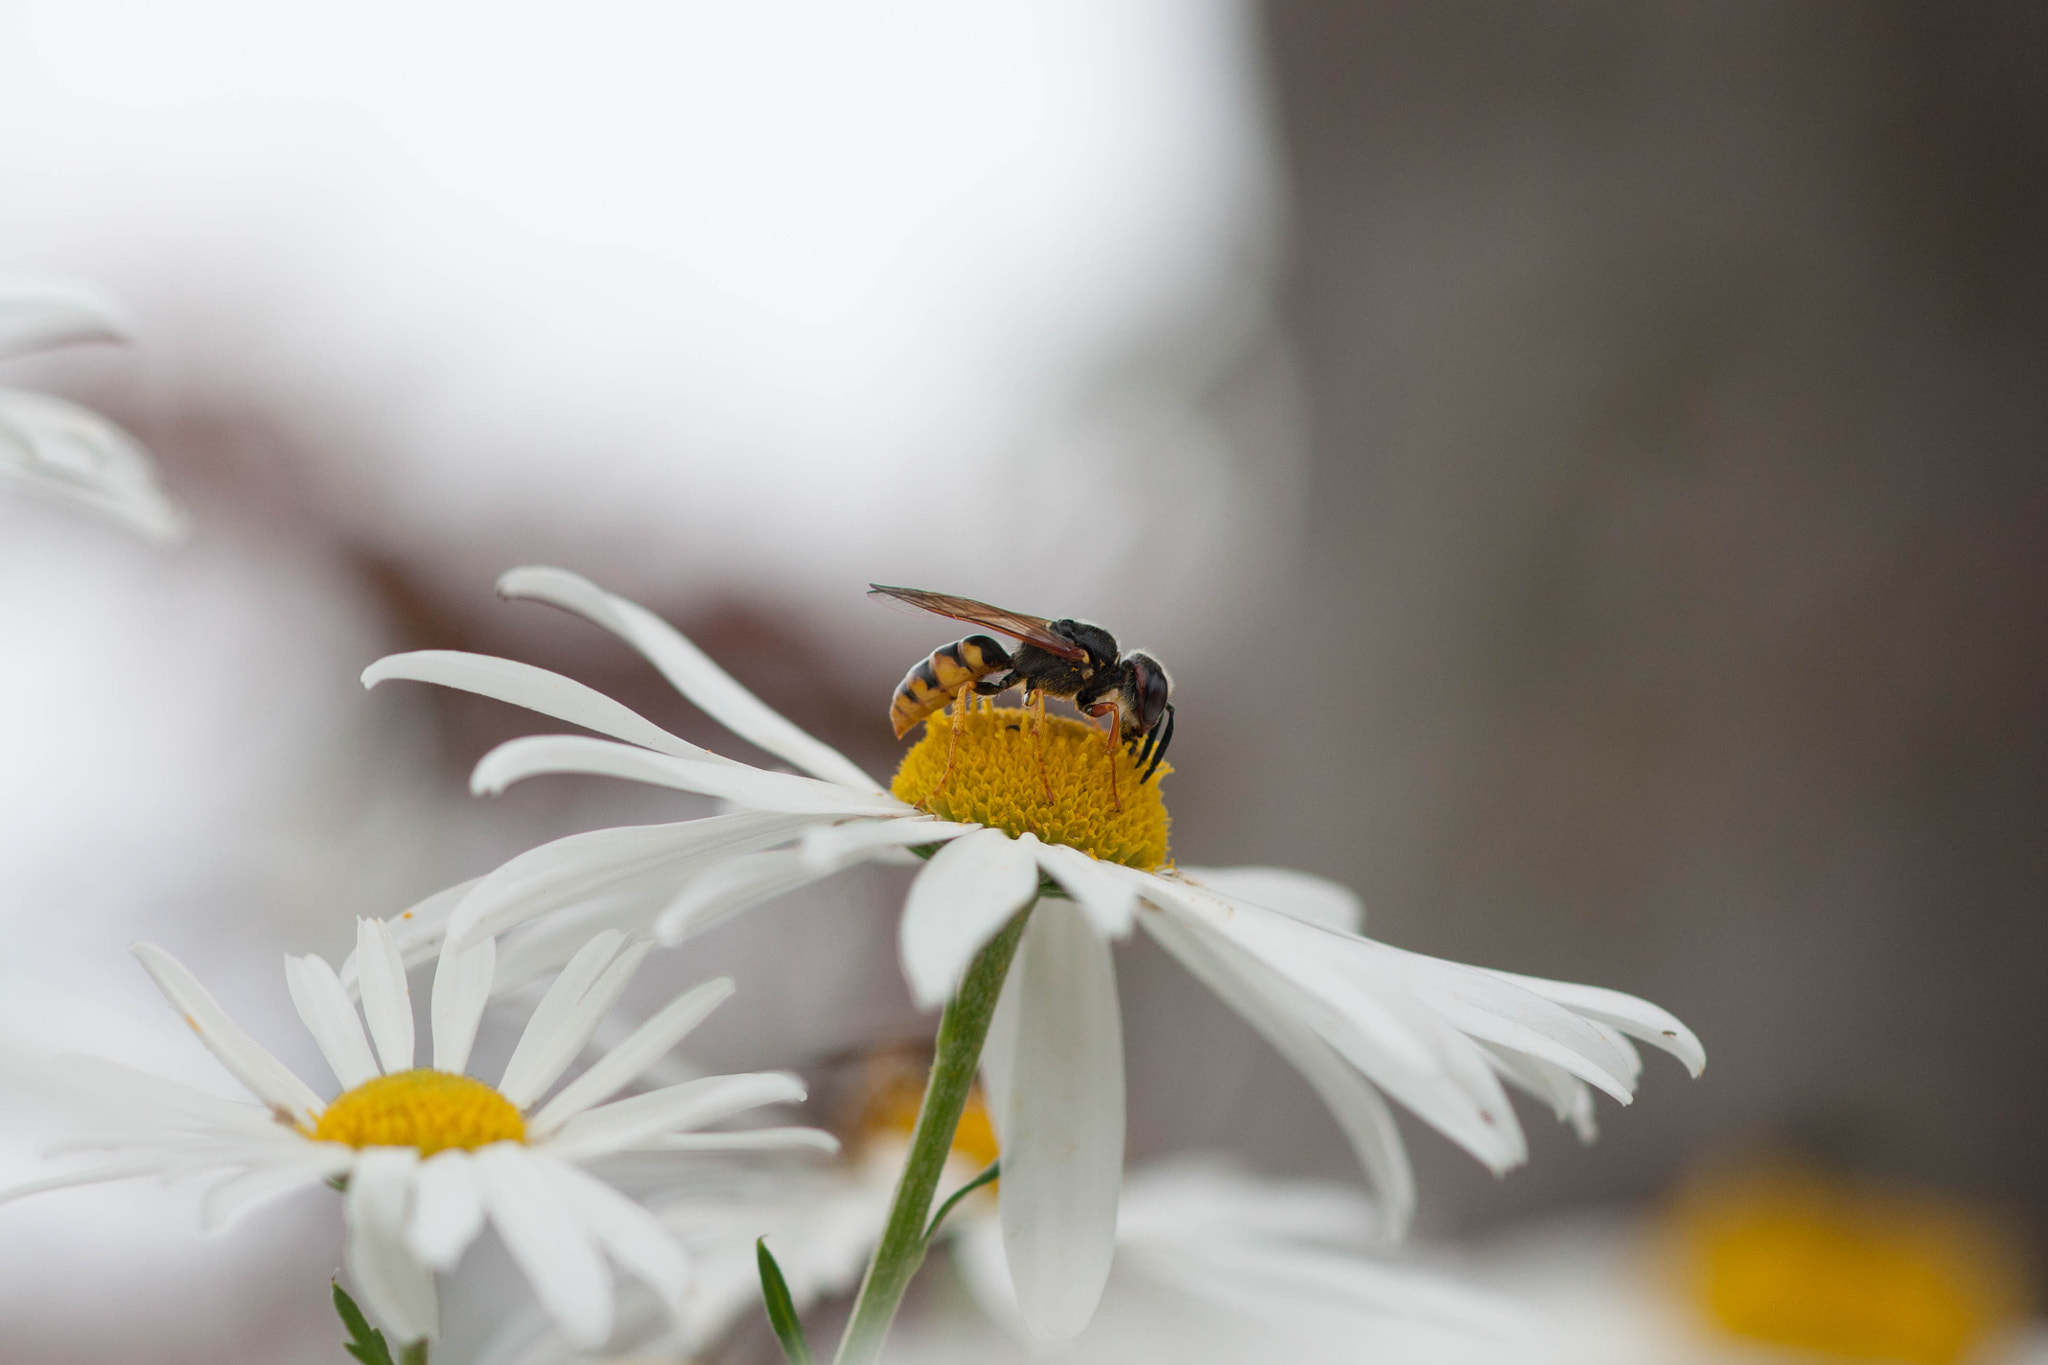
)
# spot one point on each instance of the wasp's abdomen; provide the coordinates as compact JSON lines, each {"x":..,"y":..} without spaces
{"x":935,"y":681}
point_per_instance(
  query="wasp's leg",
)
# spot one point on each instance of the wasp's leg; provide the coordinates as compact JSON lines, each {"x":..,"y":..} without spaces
{"x":1164,"y":731}
{"x":1116,"y":720}
{"x":952,"y":748}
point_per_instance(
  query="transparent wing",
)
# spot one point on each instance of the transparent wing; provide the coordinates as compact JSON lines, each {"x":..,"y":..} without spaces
{"x":1031,"y":629}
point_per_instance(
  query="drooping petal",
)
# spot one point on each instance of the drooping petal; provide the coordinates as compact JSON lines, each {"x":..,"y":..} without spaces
{"x":689,"y":670}
{"x":1109,"y":899}
{"x":329,"y":1015}
{"x":1567,"y":1095}
{"x":387,"y":1004}
{"x":1063,"y":1135}
{"x":576,"y":870}
{"x":641,"y":1118}
{"x":518,"y":759}
{"x":1360,"y":1112}
{"x":965,"y":894}
{"x":396,"y":1288}
{"x":565,"y":1040}
{"x":462,"y":987}
{"x":268,"y":1079}
{"x":233,"y":1199}
{"x":1635,"y":1017}
{"x":42,"y":315}
{"x":523,"y":1080}
{"x":448,"y":1209}
{"x":548,"y":1241}
{"x":69,"y":452}
{"x":536,"y":689}
{"x":633,"y":1236}
{"x":640,"y":1049}
{"x":1317,"y":900}
{"x":738,"y":884}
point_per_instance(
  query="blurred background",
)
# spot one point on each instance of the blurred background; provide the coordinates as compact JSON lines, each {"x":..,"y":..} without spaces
{"x":1583,"y":463}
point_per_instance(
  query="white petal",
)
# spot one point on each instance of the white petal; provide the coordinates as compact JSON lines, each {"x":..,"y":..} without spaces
{"x":746,"y":1140}
{"x":387,"y":1004}
{"x":842,"y":845}
{"x":396,"y":1288}
{"x":240,"y":1195}
{"x":561,"y":1045}
{"x":1110,"y":900}
{"x":69,"y":452}
{"x":631,"y":1122}
{"x":324,"y":1006}
{"x":101,"y":1174}
{"x":536,"y":689}
{"x":999,"y":1053}
{"x":640,"y":1050}
{"x":1635,"y":1017}
{"x":42,"y":315}
{"x":268,"y":1079}
{"x":689,"y":670}
{"x":603,"y":862}
{"x":1352,"y":1101}
{"x":738,"y":884}
{"x":447,"y":1210}
{"x":549,"y":1243}
{"x":965,"y":894}
{"x":518,"y":759}
{"x":462,"y":986}
{"x":1317,"y":900}
{"x":523,"y":1081}
{"x":633,"y":1236}
{"x":417,"y":931}
{"x":1567,"y":1095}
{"x":1063,"y":1139}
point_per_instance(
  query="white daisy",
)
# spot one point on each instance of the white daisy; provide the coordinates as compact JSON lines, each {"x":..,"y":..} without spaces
{"x":1262,"y":1260}
{"x":60,"y":448}
{"x":1355,"y":1016}
{"x":428,"y":1154}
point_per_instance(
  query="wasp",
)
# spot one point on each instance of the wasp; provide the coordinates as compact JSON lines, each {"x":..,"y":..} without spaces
{"x":1065,"y":658}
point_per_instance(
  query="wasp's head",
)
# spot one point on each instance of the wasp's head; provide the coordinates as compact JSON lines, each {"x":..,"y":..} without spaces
{"x":1149,"y":689}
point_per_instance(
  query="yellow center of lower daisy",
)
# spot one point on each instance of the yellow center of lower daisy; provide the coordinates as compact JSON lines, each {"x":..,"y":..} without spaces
{"x":991,"y":767}
{"x":891,"y":1113}
{"x":426,"y":1109}
{"x":1795,"y":1258}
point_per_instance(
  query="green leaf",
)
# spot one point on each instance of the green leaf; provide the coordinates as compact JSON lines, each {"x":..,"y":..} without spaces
{"x":366,"y":1343}
{"x":781,"y":1308}
{"x":995,"y":1169}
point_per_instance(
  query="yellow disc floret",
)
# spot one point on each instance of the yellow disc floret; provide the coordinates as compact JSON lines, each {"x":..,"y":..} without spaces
{"x":997,"y":780}
{"x":425,"y":1109}
{"x":1790,"y":1256}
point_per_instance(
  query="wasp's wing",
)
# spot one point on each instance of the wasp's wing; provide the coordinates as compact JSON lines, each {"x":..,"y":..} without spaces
{"x":1034,"y":630}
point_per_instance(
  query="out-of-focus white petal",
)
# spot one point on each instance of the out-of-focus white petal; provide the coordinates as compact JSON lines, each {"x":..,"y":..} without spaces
{"x":563,"y":1043}
{"x":738,"y":884}
{"x":233,"y":1199}
{"x":38,"y":316}
{"x":525,"y":1078}
{"x":396,"y":1288}
{"x":583,"y":867}
{"x":89,"y":1175}
{"x":418,"y":931}
{"x":1567,"y":1095}
{"x":329,"y":1015}
{"x":462,"y":986}
{"x":518,"y":759}
{"x":964,"y":895}
{"x":387,"y":1004}
{"x":1635,"y":1017}
{"x":640,"y":1049}
{"x":1063,"y":1134}
{"x":746,"y":1140}
{"x":689,"y":670}
{"x":631,"y":1122}
{"x":447,"y":1210}
{"x":268,"y":1079}
{"x":633,"y":1236}
{"x":548,"y":1241}
{"x":842,"y":845}
{"x":1357,"y":1107}
{"x":73,"y":453}
{"x":536,"y":689}
{"x":1300,"y":894}
{"x":1110,"y":900}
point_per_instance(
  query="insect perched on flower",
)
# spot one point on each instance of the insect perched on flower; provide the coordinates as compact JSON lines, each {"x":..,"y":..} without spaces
{"x":1064,"y":658}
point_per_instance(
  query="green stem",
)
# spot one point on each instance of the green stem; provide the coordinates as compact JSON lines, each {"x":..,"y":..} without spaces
{"x":962,"y":1029}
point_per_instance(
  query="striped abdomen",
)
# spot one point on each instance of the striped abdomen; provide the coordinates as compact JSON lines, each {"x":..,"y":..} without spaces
{"x":936,"y":681}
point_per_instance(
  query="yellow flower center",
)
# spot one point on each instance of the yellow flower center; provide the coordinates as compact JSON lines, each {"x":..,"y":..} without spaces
{"x":997,"y":779}
{"x":429,"y":1110}
{"x":1791,"y":1257}
{"x":891,"y":1112}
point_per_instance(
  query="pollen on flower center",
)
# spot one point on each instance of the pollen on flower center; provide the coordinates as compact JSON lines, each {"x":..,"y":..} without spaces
{"x":997,"y":780}
{"x":422,"y":1108}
